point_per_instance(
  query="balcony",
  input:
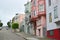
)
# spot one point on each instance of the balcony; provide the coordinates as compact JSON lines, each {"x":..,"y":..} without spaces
{"x":43,"y":13}
{"x":34,"y":18}
{"x":57,"y":21}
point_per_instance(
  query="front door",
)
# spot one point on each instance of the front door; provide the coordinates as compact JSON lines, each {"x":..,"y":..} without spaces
{"x":39,"y":31}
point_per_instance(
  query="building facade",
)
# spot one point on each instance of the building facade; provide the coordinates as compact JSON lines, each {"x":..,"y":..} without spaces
{"x":38,"y":17}
{"x":28,"y":25}
{"x":22,"y":26}
{"x":21,"y":18}
{"x":53,"y":19}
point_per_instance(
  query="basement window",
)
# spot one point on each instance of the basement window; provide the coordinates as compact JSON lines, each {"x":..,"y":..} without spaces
{"x":51,"y":33}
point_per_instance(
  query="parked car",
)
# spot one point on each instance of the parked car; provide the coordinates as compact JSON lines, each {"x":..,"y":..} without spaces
{"x":7,"y":28}
{"x":0,"y":28}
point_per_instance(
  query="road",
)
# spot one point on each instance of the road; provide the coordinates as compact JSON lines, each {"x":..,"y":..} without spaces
{"x":8,"y":35}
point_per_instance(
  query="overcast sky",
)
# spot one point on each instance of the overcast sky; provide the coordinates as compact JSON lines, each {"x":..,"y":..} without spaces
{"x":8,"y":8}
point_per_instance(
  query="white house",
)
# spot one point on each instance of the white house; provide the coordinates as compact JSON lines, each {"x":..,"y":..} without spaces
{"x":53,"y":19}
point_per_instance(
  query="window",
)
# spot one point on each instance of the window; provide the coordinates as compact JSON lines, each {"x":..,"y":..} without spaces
{"x":50,"y":17}
{"x":49,"y":2}
{"x":34,"y":13}
{"x":29,"y":17}
{"x":34,"y":2}
{"x":26,"y":11}
{"x":55,"y":12}
{"x":26,"y":8}
{"x":26,"y":19}
{"x":51,"y":33}
{"x":41,"y":7}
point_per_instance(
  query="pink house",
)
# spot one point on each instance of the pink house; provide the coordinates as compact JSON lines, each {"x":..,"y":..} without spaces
{"x":18,"y":18}
{"x":38,"y":17}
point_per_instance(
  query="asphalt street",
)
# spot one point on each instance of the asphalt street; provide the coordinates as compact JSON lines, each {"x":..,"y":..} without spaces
{"x":8,"y":35}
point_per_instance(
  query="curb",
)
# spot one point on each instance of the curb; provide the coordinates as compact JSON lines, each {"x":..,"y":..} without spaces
{"x":21,"y":36}
{"x":26,"y":38}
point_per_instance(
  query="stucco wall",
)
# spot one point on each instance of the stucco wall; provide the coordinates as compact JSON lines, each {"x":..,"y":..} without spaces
{"x":52,"y":25}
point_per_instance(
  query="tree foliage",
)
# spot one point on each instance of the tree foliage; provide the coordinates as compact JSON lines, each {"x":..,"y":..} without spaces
{"x":9,"y":25}
{"x":1,"y":24}
{"x":15,"y":25}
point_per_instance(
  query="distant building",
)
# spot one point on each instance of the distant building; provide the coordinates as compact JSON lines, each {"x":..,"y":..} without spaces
{"x":21,"y":18}
{"x":15,"y":18}
{"x":53,"y":19}
{"x":22,"y":26}
{"x":18,"y":18}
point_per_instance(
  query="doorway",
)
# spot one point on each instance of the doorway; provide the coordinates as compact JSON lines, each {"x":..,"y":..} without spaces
{"x":39,"y":31}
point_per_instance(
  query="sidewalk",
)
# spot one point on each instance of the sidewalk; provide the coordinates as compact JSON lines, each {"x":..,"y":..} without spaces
{"x":30,"y":37}
{"x":26,"y":36}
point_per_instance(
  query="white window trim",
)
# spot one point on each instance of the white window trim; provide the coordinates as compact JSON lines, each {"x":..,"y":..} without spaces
{"x":41,"y":7}
{"x":35,"y":14}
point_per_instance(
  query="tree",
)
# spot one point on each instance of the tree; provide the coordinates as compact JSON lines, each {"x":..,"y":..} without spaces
{"x":1,"y":24}
{"x":15,"y":25}
{"x":9,"y":25}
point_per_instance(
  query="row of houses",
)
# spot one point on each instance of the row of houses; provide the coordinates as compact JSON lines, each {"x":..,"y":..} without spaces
{"x":53,"y":19}
{"x":42,"y":18}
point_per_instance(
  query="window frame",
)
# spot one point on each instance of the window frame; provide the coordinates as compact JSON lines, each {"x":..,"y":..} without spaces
{"x":34,"y":2}
{"x":55,"y":12}
{"x":49,"y":2}
{"x":41,"y":7}
{"x":34,"y":12}
{"x":51,"y":33}
{"x":50,"y":17}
